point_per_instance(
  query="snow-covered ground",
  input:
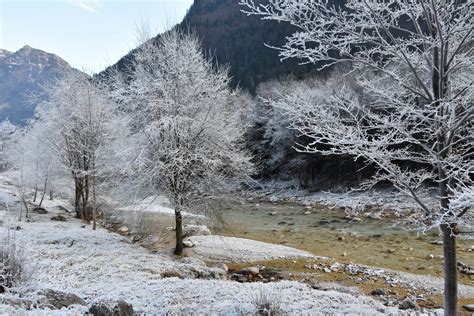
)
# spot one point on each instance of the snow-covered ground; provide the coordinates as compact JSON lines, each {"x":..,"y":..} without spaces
{"x":339,"y":197}
{"x":97,"y":265}
{"x":159,"y":204}
{"x":231,"y":249}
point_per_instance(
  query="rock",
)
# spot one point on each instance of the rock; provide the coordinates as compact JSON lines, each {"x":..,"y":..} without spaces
{"x":379,"y":292}
{"x":374,"y":216}
{"x":469,"y":307}
{"x":273,"y":213}
{"x":58,"y":218}
{"x":340,"y":238}
{"x":223,"y":266}
{"x":188,"y":243}
{"x":123,"y":230}
{"x":309,"y":207}
{"x":465,"y":269}
{"x":431,"y":256}
{"x":195,"y":230}
{"x":336,"y":267}
{"x":315,"y":286}
{"x":111,"y":308}
{"x":327,"y":270}
{"x":252,"y":270}
{"x":391,"y":250}
{"x":344,"y":254}
{"x":436,"y":242}
{"x":407,"y":304}
{"x":40,"y":210}
{"x":307,"y":213}
{"x":58,"y":299}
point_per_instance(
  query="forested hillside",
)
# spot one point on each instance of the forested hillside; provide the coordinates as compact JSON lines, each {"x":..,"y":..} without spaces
{"x":239,"y":41}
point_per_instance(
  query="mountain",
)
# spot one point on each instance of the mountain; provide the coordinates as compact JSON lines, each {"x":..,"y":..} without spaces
{"x":239,"y":41}
{"x":22,"y":75}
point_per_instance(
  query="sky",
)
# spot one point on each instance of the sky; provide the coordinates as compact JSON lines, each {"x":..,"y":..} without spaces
{"x":89,"y":34}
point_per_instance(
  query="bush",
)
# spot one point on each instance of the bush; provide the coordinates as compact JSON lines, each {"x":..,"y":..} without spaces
{"x":12,"y":261}
{"x":267,"y":303}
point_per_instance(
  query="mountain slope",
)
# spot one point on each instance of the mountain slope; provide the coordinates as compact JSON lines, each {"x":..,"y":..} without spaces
{"x":22,"y":75}
{"x":239,"y":41}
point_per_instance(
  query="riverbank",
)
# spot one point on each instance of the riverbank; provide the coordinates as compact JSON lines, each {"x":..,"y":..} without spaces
{"x":75,"y":269}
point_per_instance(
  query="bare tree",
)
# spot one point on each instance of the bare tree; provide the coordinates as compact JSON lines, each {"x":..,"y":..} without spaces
{"x":190,"y":135}
{"x":415,"y":59}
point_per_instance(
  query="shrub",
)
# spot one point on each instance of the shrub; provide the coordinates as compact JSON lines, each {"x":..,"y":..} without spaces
{"x":12,"y":260}
{"x":267,"y":303}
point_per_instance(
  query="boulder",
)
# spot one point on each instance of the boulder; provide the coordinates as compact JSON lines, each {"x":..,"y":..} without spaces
{"x":58,"y":300}
{"x":123,"y":230}
{"x":40,"y":210}
{"x":111,"y":308}
{"x":465,"y":268}
{"x":469,"y":307}
{"x":252,"y":270}
{"x":223,"y":266}
{"x":188,"y":243}
{"x":58,"y":218}
{"x":407,"y":304}
{"x":195,"y":230}
{"x":379,"y":292}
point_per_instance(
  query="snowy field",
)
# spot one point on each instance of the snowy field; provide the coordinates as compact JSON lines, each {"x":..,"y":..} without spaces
{"x":104,"y":266}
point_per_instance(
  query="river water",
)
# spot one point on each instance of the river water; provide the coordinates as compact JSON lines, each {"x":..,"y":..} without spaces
{"x":326,"y":232}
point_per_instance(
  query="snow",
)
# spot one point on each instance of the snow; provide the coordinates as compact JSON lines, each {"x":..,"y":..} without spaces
{"x":231,"y":249}
{"x":100,"y":265}
{"x":155,"y":205}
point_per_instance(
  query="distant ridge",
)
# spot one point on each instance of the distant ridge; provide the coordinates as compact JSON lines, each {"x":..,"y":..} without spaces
{"x":23,"y":73}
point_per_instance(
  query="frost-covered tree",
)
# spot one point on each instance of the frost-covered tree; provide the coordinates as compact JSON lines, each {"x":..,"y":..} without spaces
{"x":35,"y":164}
{"x":79,"y":120}
{"x":190,"y":134}
{"x":415,"y":59}
{"x":7,"y":130}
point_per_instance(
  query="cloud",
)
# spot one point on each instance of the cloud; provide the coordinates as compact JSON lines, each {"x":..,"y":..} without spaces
{"x":87,"y":5}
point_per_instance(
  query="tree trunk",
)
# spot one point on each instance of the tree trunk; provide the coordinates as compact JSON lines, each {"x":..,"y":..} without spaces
{"x":77,"y":199}
{"x":94,"y":203}
{"x":26,"y":207}
{"x":44,"y":192}
{"x":450,"y":269}
{"x":179,"y":230}
{"x":84,"y":205}
{"x":36,"y":194}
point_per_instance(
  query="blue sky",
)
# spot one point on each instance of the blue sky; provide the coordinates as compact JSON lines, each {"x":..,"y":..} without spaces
{"x":89,"y":34}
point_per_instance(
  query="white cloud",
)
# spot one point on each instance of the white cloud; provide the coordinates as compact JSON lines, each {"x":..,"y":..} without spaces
{"x":88,"y":5}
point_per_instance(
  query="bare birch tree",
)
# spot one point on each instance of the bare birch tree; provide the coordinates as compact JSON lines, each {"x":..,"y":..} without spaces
{"x":415,"y":59}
